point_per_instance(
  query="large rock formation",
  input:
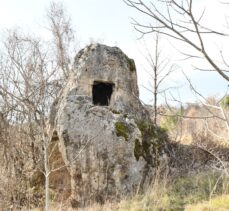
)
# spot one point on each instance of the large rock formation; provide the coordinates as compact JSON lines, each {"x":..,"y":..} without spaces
{"x":102,"y":130}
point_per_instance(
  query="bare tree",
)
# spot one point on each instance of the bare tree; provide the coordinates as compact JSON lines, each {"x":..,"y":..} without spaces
{"x":159,"y":69}
{"x":63,"y":36}
{"x":28,"y":86}
{"x":30,"y":79}
{"x":177,"y":20}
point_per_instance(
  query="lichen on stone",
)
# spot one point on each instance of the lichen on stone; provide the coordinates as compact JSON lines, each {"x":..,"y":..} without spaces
{"x":121,"y":130}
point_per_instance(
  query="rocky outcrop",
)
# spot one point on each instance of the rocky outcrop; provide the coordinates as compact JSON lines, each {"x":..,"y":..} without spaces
{"x":101,"y":127}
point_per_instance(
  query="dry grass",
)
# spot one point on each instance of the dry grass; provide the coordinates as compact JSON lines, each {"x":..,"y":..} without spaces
{"x":205,"y":192}
{"x":219,"y":203}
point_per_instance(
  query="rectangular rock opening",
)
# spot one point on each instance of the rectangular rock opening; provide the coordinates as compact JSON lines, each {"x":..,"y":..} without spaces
{"x":102,"y":92}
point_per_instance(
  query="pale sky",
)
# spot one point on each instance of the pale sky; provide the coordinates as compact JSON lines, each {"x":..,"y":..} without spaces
{"x":108,"y":21}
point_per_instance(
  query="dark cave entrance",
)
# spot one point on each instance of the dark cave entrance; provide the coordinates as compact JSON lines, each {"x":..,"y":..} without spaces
{"x":102,"y":93}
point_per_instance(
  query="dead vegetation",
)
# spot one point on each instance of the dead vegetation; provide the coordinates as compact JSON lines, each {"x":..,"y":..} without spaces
{"x":193,"y":169}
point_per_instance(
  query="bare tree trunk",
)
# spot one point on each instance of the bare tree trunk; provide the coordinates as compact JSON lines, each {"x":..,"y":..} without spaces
{"x":159,"y":69}
{"x":155,"y":95}
{"x":156,"y":73}
{"x":46,"y":173}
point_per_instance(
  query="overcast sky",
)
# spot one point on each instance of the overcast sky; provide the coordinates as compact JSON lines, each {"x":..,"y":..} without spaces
{"x":108,"y":21}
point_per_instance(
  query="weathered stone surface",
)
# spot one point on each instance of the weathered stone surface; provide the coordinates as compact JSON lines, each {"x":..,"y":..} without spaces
{"x":101,"y":145}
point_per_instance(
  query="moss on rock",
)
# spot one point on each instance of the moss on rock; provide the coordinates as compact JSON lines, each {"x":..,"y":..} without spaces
{"x":122,"y":130}
{"x":137,"y":149}
{"x":153,"y":141}
{"x":131,"y":65}
{"x":115,"y":111}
